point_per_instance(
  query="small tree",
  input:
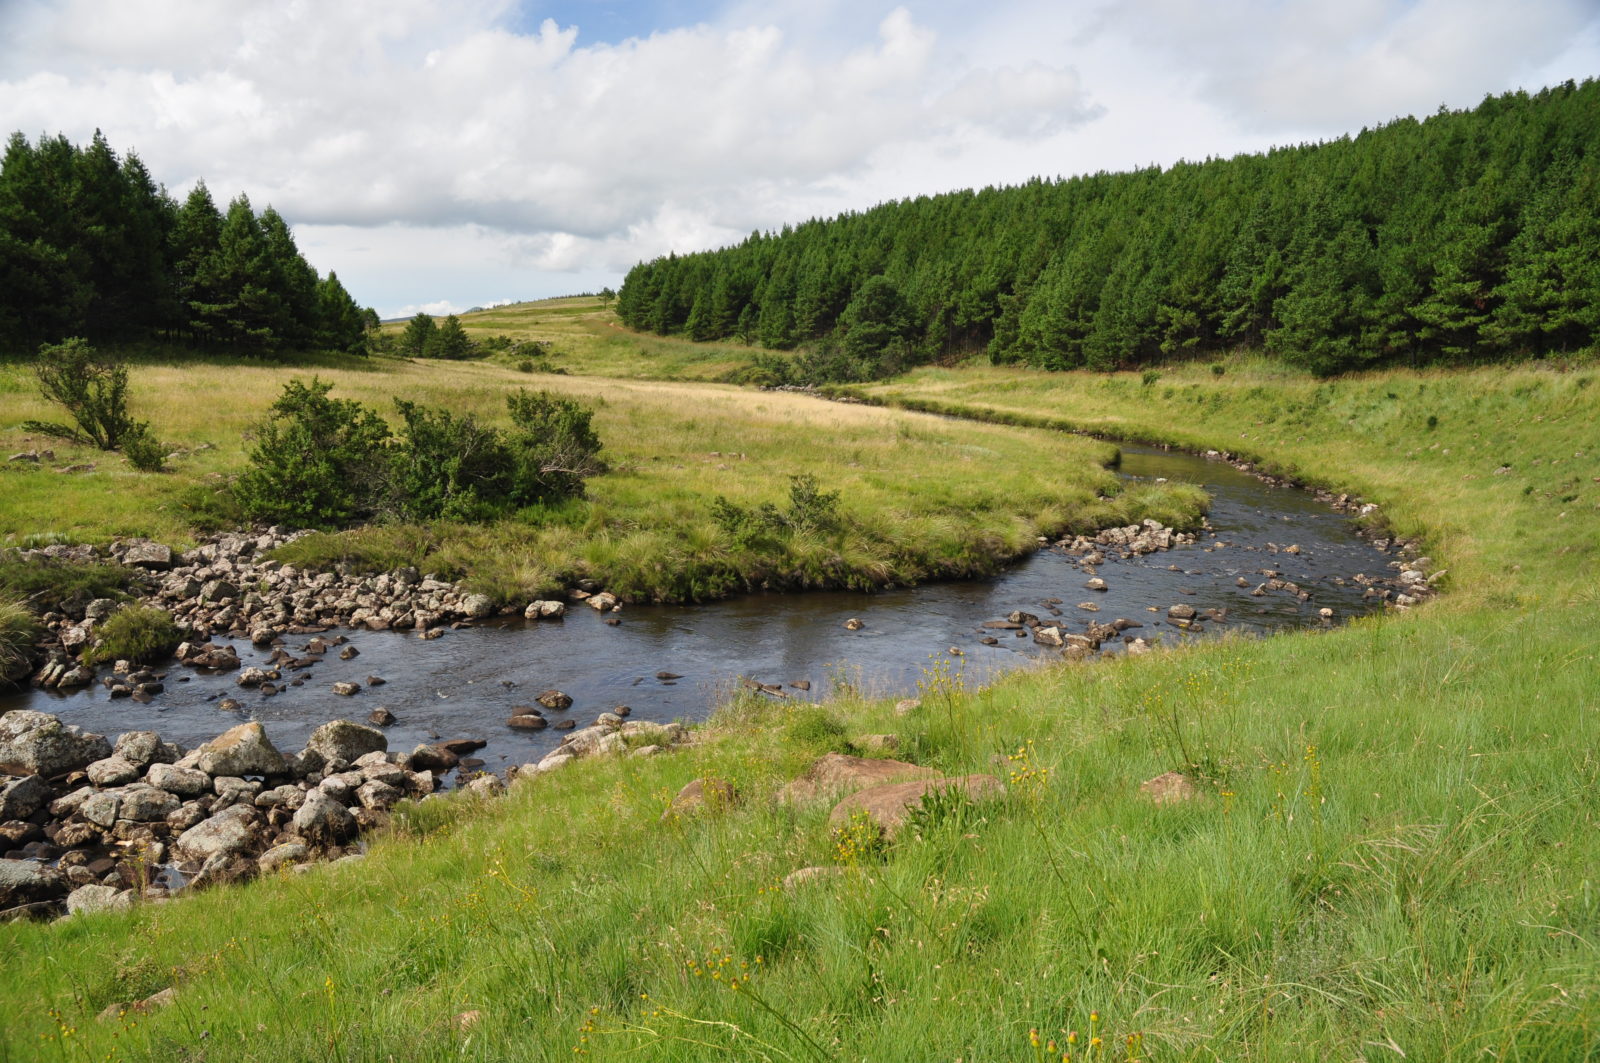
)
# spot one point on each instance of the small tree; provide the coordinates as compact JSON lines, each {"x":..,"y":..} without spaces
{"x":450,"y":341}
{"x":418,"y":336}
{"x":94,"y":390}
{"x":554,"y":446}
{"x":317,"y":461}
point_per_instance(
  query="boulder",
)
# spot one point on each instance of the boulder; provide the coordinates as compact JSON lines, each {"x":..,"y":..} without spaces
{"x":345,"y":690}
{"x":485,"y":786}
{"x":346,"y":740}
{"x":1170,"y":788}
{"x":833,"y":775}
{"x":554,"y":699}
{"x":185,"y":782}
{"x":97,"y":898}
{"x":376,"y":794}
{"x":527,"y":722}
{"x":603,"y":602}
{"x":37,"y":743}
{"x":380,"y":717}
{"x":702,"y":794}
{"x":102,"y":809}
{"x":545,"y":610}
{"x":146,"y":804}
{"x":153,"y":556}
{"x":1181,"y":612}
{"x":231,"y":832}
{"x":285,"y":854}
{"x":252,"y":677}
{"x":323,"y":821}
{"x":21,"y":798}
{"x":144,"y":748}
{"x":433,"y":758}
{"x":242,"y":750}
{"x":1096,"y":584}
{"x":478,"y":606}
{"x":26,"y":882}
{"x":112,"y":771}
{"x":890,"y":806}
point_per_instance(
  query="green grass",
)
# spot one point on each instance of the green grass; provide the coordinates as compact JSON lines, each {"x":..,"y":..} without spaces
{"x":18,"y":629}
{"x":925,"y":497}
{"x":1391,"y":856}
{"x":135,"y":633}
{"x":43,"y":583}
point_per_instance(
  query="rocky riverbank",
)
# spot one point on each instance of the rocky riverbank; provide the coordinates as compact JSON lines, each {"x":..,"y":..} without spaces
{"x":88,"y":824}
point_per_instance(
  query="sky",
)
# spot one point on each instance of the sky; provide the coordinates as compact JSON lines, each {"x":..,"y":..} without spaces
{"x":443,"y":155}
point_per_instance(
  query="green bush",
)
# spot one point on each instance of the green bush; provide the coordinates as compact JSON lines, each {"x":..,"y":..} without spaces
{"x":318,"y":462}
{"x":322,"y":462}
{"x":135,"y":633}
{"x":143,"y":450}
{"x":94,"y":390}
{"x":809,"y":509}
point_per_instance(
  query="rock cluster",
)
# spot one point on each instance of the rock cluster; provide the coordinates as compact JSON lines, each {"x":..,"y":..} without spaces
{"x":1147,"y":537}
{"x":142,"y":816}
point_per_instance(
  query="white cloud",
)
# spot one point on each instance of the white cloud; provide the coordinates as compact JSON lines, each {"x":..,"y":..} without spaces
{"x":427,"y":152}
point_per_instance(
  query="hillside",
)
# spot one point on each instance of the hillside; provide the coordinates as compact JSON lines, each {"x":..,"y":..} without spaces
{"x":1463,"y":237}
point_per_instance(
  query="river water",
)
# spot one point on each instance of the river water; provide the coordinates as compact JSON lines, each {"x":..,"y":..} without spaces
{"x":466,"y":683}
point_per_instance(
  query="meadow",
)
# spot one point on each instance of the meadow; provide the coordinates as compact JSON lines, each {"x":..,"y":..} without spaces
{"x":1390,"y":852}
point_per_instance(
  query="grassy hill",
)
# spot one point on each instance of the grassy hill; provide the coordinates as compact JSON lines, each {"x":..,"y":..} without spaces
{"x":1391,"y":852}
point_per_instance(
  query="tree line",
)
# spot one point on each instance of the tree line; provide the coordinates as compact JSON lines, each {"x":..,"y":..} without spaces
{"x":92,"y":247}
{"x":1467,"y":236}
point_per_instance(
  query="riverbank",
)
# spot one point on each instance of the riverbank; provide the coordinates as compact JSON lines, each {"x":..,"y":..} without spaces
{"x":1385,"y":839}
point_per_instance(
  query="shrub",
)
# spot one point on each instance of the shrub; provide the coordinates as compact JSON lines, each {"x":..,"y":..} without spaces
{"x":1218,"y":369}
{"x":94,"y":390}
{"x":1149,"y":377}
{"x":135,"y":633}
{"x":143,"y":450}
{"x":318,"y":462}
{"x":324,"y":462}
{"x":810,"y":509}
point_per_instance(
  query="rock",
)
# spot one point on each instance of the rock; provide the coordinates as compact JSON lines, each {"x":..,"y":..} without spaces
{"x":100,"y":609}
{"x":344,"y":740}
{"x":349,"y":653}
{"x":27,"y":882}
{"x":564,"y":725}
{"x":1138,"y":648}
{"x":854,"y":624}
{"x":323,"y":821}
{"x":545,"y":610}
{"x":344,"y":690}
{"x":801,"y":876}
{"x":184,"y":782}
{"x":263,"y":635}
{"x":112,"y":771}
{"x":1097,"y":584}
{"x":485,"y":786}
{"x":87,"y":899}
{"x":283,"y":855}
{"x":242,"y":750}
{"x":708,"y":794}
{"x":603,"y":602}
{"x":478,"y":606}
{"x":1048,"y":636}
{"x":376,"y":794}
{"x":833,"y":775}
{"x":380,"y":717}
{"x":102,"y":809}
{"x":1325,"y":613}
{"x":528,"y":722}
{"x":554,"y":699}
{"x":906,"y":706}
{"x":146,"y":804}
{"x":1180,"y":612}
{"x":1089,"y":607}
{"x":665,"y":734}
{"x":876,"y":743}
{"x":37,"y":743}
{"x":231,"y":832}
{"x":1174,"y":787}
{"x":286,"y":796}
{"x":21,"y":798}
{"x":144,"y":748}
{"x":432,"y":758}
{"x":552,"y":762}
{"x":608,"y":719}
{"x":153,"y":556}
{"x":252,"y":677}
{"x":890,"y":806}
